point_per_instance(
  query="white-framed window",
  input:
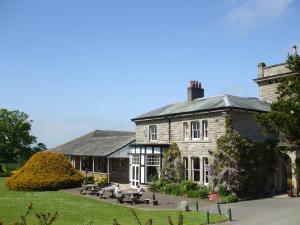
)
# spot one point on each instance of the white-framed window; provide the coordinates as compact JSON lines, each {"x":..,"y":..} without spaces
{"x":153,"y":160}
{"x":205,"y":170}
{"x":152,"y":167}
{"x":186,"y":168}
{"x":204,"y":129}
{"x":196,"y":169}
{"x":185,"y":131}
{"x":153,"y":133}
{"x":195,"y":130}
{"x":135,"y":159}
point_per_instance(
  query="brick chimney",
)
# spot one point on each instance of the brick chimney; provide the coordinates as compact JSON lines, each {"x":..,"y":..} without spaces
{"x":195,"y":90}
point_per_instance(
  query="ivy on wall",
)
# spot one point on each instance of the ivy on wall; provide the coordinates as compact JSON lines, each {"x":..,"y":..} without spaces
{"x":241,"y":166}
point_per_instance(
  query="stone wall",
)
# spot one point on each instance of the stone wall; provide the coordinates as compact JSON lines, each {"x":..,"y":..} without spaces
{"x":246,"y":125}
{"x":268,"y":91}
{"x":242,"y":122}
{"x":189,"y":148}
{"x":275,"y":70}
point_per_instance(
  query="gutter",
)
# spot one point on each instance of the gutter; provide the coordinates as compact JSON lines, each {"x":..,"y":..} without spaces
{"x":222,"y":109}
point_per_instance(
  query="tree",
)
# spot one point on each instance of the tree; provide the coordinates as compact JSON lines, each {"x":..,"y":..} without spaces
{"x":227,"y":162}
{"x":173,"y":168}
{"x":16,"y":142}
{"x":284,"y":117}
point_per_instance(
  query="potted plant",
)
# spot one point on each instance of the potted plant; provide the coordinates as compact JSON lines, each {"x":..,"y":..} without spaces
{"x":290,"y":187}
{"x":153,"y":188}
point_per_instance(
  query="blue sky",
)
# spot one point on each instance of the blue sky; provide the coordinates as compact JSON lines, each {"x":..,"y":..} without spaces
{"x":75,"y":66}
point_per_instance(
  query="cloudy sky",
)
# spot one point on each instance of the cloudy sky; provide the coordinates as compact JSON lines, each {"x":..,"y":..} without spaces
{"x":76,"y":66}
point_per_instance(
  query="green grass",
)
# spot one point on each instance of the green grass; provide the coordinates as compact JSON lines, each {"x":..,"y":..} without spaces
{"x":76,"y":210}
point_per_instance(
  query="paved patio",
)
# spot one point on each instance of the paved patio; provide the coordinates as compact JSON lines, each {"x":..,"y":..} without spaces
{"x":166,"y":202}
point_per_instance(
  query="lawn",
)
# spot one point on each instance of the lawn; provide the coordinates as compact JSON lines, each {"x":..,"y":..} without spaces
{"x":76,"y":210}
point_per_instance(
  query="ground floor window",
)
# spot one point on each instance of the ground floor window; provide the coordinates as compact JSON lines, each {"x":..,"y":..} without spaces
{"x":196,"y":169}
{"x":86,"y":163}
{"x":205,"y":171}
{"x":152,"y":167}
{"x":186,"y":168}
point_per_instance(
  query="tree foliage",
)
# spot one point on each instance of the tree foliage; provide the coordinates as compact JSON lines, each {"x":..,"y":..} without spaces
{"x":16,"y":142}
{"x":284,"y":117}
{"x":237,"y":162}
{"x":173,"y":168}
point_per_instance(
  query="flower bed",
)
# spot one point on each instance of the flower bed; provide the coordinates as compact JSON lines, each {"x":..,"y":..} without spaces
{"x":192,"y":190}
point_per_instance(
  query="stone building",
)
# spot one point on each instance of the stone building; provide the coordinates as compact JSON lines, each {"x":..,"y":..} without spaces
{"x":195,"y":125}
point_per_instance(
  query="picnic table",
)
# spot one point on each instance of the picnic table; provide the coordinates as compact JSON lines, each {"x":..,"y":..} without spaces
{"x":131,"y":196}
{"x":89,"y":189}
{"x":109,"y":189}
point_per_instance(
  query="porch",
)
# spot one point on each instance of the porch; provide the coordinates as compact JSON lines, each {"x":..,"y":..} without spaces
{"x":116,"y":169}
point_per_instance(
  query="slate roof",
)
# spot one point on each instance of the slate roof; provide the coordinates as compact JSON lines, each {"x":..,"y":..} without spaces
{"x":207,"y":104}
{"x":97,"y":143}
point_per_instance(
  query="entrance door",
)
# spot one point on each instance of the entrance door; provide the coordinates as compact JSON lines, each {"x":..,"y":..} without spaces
{"x":135,"y":177}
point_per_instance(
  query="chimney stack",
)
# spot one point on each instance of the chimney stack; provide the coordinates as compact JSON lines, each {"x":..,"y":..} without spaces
{"x":195,"y":90}
{"x":294,"y":51}
{"x":261,"y":66}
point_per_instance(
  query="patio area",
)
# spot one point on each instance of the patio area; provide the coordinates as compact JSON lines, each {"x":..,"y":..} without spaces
{"x":165,"y":202}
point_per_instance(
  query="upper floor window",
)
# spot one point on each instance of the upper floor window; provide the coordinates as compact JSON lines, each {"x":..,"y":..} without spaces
{"x":185,"y":131}
{"x":153,"y":133}
{"x":195,"y":130}
{"x":204,"y":129}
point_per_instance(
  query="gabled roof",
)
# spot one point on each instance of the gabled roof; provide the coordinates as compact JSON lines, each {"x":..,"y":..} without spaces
{"x":97,"y":143}
{"x":208,"y":104}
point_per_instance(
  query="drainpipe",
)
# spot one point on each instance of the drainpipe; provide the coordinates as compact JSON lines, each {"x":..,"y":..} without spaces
{"x":169,"y":121}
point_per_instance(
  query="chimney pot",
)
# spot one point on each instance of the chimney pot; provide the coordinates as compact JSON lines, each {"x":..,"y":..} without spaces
{"x":195,"y":90}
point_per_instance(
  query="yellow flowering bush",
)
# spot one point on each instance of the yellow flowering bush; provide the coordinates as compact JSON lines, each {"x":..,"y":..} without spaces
{"x":100,"y":180}
{"x":45,"y":171}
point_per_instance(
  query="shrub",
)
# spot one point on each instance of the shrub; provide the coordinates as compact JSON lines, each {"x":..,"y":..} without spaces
{"x":89,"y":180}
{"x":176,"y":190}
{"x":228,"y":199}
{"x":100,"y":180}
{"x":188,"y":185}
{"x":167,"y":188}
{"x":193,"y":194}
{"x":222,"y":191}
{"x":204,"y":192}
{"x":45,"y":171}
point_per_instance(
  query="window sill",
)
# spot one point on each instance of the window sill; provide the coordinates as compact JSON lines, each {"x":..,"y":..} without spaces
{"x":196,"y":141}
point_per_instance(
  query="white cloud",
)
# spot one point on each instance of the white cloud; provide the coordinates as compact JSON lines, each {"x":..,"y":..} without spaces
{"x":246,"y":15}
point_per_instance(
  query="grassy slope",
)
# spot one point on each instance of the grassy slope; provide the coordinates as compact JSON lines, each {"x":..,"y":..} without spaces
{"x":75,"y":210}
